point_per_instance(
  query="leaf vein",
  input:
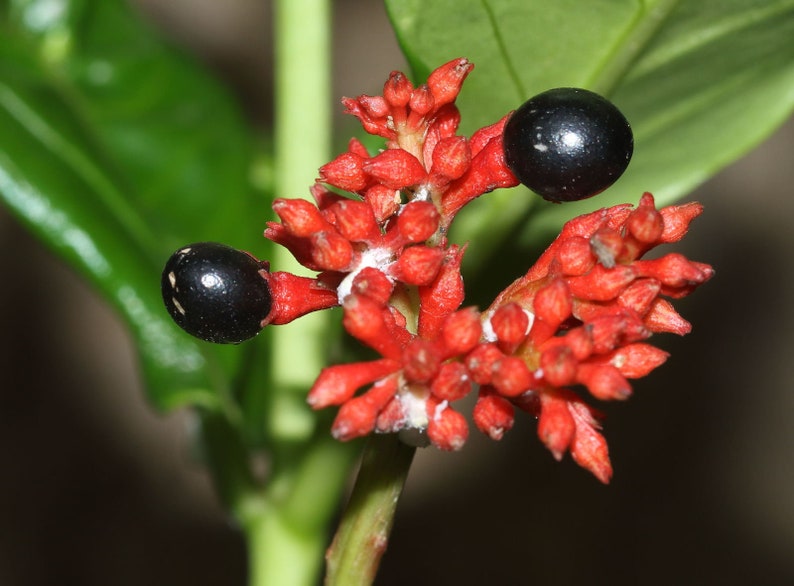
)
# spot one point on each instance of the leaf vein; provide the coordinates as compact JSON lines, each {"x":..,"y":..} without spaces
{"x":500,"y":41}
{"x":629,"y":47}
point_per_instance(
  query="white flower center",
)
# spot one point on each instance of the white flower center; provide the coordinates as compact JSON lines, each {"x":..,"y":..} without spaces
{"x":378,"y":258}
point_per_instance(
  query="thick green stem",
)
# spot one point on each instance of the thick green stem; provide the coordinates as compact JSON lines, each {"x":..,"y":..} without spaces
{"x":363,"y":534}
{"x":286,"y":523}
{"x":302,"y":145}
{"x":293,"y":554}
{"x":287,"y":530}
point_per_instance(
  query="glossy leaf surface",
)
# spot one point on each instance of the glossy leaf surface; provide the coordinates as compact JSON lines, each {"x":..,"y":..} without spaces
{"x":701,"y":82}
{"x":115,"y":150}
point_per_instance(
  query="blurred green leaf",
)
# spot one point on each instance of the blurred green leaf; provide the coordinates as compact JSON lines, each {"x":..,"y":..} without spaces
{"x":701,"y":82}
{"x":115,"y":149}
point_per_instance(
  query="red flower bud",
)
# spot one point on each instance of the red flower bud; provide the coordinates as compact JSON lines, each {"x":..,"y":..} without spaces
{"x":397,"y":89}
{"x":488,"y":171}
{"x":677,"y":220}
{"x":300,"y":248}
{"x":330,"y":251}
{"x":674,"y":270}
{"x":324,"y":197}
{"x":392,"y":417}
{"x":364,"y":108}
{"x":580,"y":341}
{"x":662,"y":317}
{"x":452,"y":382}
{"x":420,"y":360}
{"x":444,"y":123}
{"x":395,"y":168}
{"x":604,"y":381}
{"x":451,"y":158}
{"x":443,"y":296}
{"x":635,"y":360}
{"x":575,"y":256}
{"x":419,"y":265}
{"x":601,"y":283}
{"x":607,"y":245}
{"x":354,"y":419}
{"x":357,"y":417}
{"x":556,"y":426}
{"x":492,"y":414}
{"x":345,"y":172}
{"x":300,"y":217}
{"x":336,"y":384}
{"x":552,"y":303}
{"x":418,"y":221}
{"x":374,"y":325}
{"x":510,"y":323}
{"x":374,"y":106}
{"x":445,"y":82}
{"x":462,"y":331}
{"x":357,"y":147}
{"x":610,"y":331}
{"x":581,"y":226}
{"x":588,"y":447}
{"x":420,"y":104}
{"x":354,"y":220}
{"x":374,"y":284}
{"x":645,"y":224}
{"x":640,"y":295}
{"x":511,"y":377}
{"x":447,"y":428}
{"x":481,"y":361}
{"x":383,"y":200}
{"x":558,"y":365}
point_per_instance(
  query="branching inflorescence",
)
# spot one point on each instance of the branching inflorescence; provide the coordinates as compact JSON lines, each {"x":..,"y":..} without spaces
{"x":579,"y":317}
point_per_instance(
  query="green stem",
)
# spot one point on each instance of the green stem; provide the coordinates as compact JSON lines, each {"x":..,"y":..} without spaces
{"x":287,"y":531}
{"x":286,"y":523}
{"x":302,"y":145}
{"x":363,"y":534}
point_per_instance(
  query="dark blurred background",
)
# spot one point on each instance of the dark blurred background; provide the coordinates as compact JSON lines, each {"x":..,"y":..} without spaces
{"x":97,"y":489}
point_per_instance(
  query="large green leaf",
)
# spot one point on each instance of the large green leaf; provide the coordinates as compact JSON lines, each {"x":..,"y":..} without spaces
{"x":115,"y":149}
{"x":701,"y":82}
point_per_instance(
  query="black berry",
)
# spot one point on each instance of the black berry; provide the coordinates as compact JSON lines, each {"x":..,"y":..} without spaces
{"x":215,"y":292}
{"x":568,"y":144}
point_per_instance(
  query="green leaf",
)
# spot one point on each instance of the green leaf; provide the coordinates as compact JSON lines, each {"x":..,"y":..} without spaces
{"x":115,"y":150}
{"x":701,"y":82}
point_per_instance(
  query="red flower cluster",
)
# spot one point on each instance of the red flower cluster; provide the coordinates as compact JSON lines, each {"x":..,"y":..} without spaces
{"x":578,"y":317}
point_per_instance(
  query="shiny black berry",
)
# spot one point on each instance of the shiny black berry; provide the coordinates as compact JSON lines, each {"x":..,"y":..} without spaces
{"x":568,"y":144}
{"x":216,"y":292}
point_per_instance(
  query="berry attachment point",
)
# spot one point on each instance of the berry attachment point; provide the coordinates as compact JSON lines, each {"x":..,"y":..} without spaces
{"x":567,"y":144}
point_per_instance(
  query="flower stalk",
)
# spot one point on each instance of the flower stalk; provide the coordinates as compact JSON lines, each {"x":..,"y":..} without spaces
{"x":286,"y":521}
{"x":363,"y":533}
